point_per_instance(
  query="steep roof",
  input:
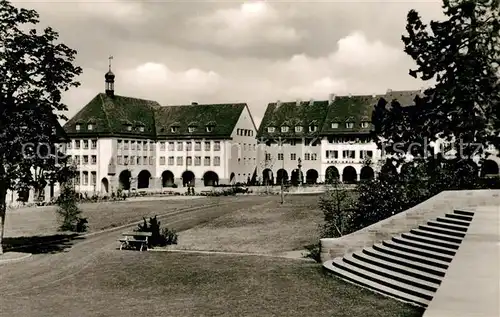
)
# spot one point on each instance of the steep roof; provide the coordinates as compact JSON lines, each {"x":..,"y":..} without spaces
{"x":353,"y":109}
{"x":291,"y":114}
{"x":127,"y":117}
{"x":208,"y":121}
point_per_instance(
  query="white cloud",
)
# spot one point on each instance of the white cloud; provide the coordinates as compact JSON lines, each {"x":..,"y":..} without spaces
{"x":252,"y":23}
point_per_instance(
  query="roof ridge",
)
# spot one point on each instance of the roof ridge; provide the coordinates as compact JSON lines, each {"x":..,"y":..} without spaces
{"x":105,"y":113}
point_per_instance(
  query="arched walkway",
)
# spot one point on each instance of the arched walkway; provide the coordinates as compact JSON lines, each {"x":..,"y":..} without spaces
{"x":210,"y":178}
{"x":232,"y":178}
{"x":187,"y":178}
{"x":366,"y":173}
{"x":267,"y":176}
{"x":349,"y":175}
{"x":104,"y":185}
{"x":167,"y":179}
{"x":281,"y":174}
{"x":489,"y":168}
{"x":331,"y":174}
{"x":124,"y":179}
{"x":312,"y":176}
{"x":295,"y":177}
{"x":143,"y":179}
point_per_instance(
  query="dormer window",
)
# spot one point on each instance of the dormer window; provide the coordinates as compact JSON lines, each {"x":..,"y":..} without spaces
{"x":284,"y":128}
{"x":129,"y":127}
{"x":299,"y":129}
{"x":209,"y":128}
{"x":313,"y":128}
{"x":141,"y":129}
{"x":77,"y":127}
{"x":335,"y":125}
{"x":270,"y":129}
{"x":90,"y":126}
{"x":191,"y":128}
{"x":174,"y":129}
{"x":349,"y":125}
{"x":365,"y":125}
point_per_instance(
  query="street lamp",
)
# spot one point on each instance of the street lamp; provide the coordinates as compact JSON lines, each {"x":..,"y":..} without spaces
{"x":299,"y":165}
{"x":283,"y":169}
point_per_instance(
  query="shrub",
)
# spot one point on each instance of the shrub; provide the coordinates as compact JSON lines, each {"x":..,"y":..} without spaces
{"x":337,"y":205}
{"x":313,"y":252}
{"x":68,"y":212}
{"x":160,"y":237}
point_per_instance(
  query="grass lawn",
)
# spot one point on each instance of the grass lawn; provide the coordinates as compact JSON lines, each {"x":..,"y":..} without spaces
{"x":266,"y":227}
{"x":131,"y":283}
{"x":36,"y":221}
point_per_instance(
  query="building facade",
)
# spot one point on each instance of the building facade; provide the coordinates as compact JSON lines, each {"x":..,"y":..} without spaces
{"x":128,"y":143}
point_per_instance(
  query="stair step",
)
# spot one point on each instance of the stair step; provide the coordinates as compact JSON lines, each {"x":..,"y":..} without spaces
{"x":408,"y":252}
{"x":459,"y":217}
{"x":431,"y":241}
{"x":448,"y":232}
{"x":408,"y":255}
{"x":389,"y":274}
{"x":424,"y":249}
{"x":441,"y":221}
{"x":447,"y":227}
{"x":463,"y":212}
{"x":439,"y":236}
{"x":407,"y":263}
{"x":360,"y":281}
{"x":401,"y":287}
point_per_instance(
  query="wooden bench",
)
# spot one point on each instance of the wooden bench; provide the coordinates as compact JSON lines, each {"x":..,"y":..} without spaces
{"x":135,"y":239}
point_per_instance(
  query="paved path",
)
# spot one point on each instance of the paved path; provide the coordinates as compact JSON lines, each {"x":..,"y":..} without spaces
{"x":471,"y":286}
{"x":297,"y":255}
{"x":42,"y":270}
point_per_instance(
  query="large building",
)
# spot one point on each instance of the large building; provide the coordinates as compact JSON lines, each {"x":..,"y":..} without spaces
{"x":130,"y":143}
{"x":326,"y":139}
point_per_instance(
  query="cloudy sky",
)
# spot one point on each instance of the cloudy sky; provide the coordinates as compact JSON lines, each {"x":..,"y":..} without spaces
{"x":176,"y":52}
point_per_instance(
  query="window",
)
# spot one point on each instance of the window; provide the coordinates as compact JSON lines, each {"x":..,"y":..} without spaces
{"x":189,"y":146}
{"x":85,"y":178}
{"x":332,"y":154}
{"x":179,"y":161}
{"x":179,"y":146}
{"x":280,"y":156}
{"x":191,"y":129}
{"x":77,"y":159}
{"x":70,"y":145}
{"x":254,"y":147}
{"x":85,"y":159}
{"x":93,"y":178}
{"x":133,"y":160}
{"x":293,"y":156}
{"x":85,"y":144}
{"x":90,"y":126}
{"x":132,"y":145}
{"x":293,"y":142}
{"x":209,"y":128}
{"x":298,"y":129}
{"x":335,"y":125}
{"x":162,"y":160}
{"x":244,"y":146}
{"x":284,"y":129}
{"x":94,"y":159}
{"x":207,"y":145}
{"x":144,"y":160}
{"x":139,"y":160}
{"x":119,"y":144}
{"x":349,"y":125}
{"x":314,"y":156}
{"x":170,"y":160}
{"x":141,"y":129}
{"x":197,"y":146}
{"x":139,"y":146}
{"x":307,"y":157}
{"x":125,"y":159}
{"x":197,"y":160}
{"x":77,"y":144}
{"x":174,"y":129}
{"x":151,"y":160}
{"x":151,"y":146}
{"x":206,"y":162}
{"x":125,"y":145}
{"x":217,"y":146}
{"x":348,"y":154}
{"x":162,"y":146}
{"x":119,"y":159}
{"x":129,"y":127}
{"x":170,"y":146}
{"x":313,"y":128}
{"x":365,"y":125}
{"x":93,"y":144}
{"x":270,"y":129}
{"x":268,"y":156}
{"x":77,"y":127}
{"x":77,"y":177}
{"x":189,"y":161}
{"x":365,"y":154}
{"x":216,"y":160}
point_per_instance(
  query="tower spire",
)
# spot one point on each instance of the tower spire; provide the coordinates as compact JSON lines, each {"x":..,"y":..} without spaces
{"x":110,"y":80}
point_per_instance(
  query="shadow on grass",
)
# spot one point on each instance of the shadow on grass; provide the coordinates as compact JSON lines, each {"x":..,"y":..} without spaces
{"x":41,"y":244}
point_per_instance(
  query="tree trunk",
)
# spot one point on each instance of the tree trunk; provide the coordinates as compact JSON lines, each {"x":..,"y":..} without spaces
{"x":3,"y":209}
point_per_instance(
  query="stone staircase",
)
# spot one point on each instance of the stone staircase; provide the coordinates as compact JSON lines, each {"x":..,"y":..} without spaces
{"x":410,"y":266}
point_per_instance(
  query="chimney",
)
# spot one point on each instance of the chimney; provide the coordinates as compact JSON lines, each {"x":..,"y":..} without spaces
{"x":389,"y":91}
{"x":278,"y":103}
{"x":194,"y":103}
{"x":311,"y":102}
{"x":297,"y":102}
{"x":331,"y":99}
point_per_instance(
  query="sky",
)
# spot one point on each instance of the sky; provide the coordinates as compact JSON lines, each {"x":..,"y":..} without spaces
{"x":178,"y":52}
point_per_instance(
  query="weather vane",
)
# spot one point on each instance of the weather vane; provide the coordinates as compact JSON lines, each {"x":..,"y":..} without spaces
{"x":110,"y":58}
